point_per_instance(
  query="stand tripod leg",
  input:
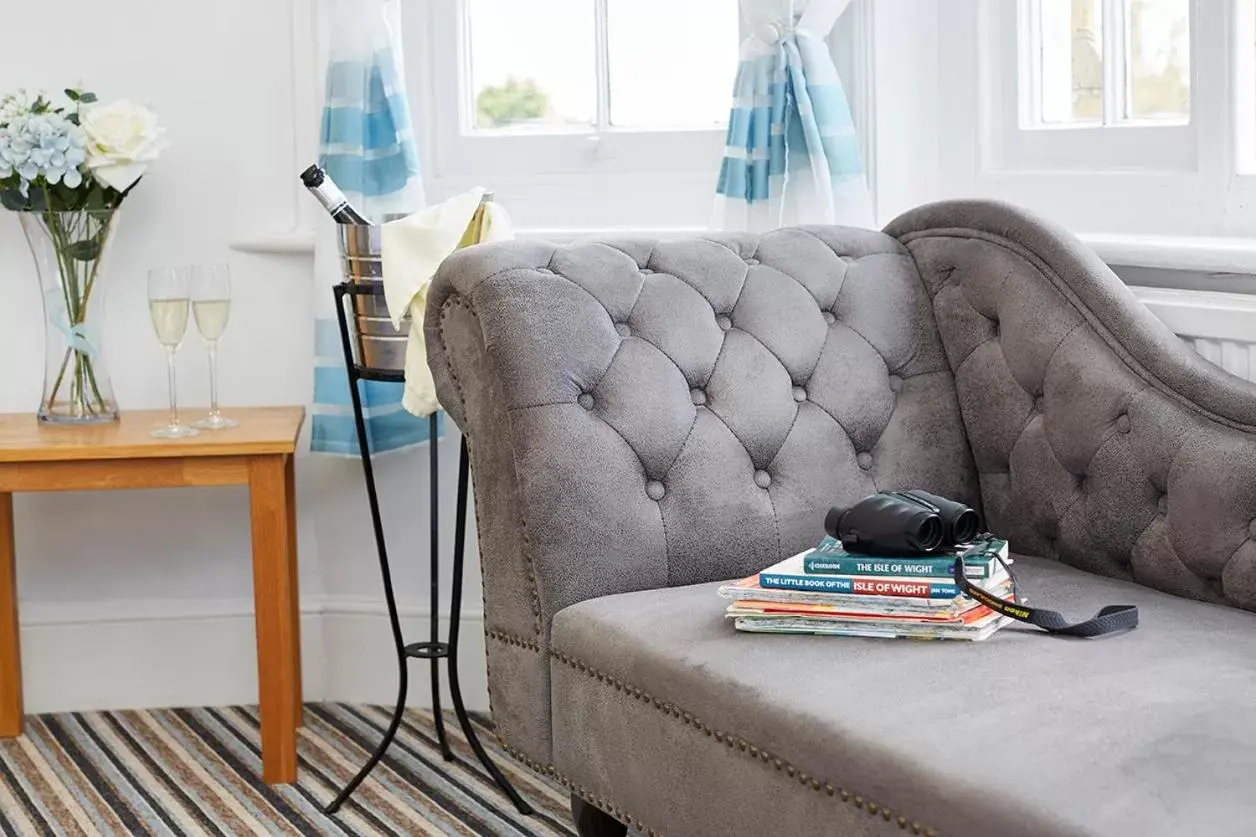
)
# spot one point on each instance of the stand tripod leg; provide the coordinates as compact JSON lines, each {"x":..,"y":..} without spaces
{"x":394,"y":620}
{"x":455,"y":689}
{"x":434,"y":595}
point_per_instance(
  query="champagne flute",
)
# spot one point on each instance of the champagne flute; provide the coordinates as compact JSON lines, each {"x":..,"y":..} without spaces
{"x":168,"y":303}
{"x":211,"y":308}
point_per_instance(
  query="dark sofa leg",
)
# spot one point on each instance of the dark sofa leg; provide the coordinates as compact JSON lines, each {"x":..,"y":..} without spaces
{"x":593,"y":822}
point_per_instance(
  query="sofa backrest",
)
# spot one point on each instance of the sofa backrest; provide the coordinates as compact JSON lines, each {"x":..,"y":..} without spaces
{"x":645,"y":414}
{"x":1100,"y":439}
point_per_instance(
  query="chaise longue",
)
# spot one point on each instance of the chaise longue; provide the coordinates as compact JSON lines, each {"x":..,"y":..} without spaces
{"x":649,"y":418}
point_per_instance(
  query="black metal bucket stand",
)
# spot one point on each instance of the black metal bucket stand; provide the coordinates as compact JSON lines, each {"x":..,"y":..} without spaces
{"x":432,"y":649}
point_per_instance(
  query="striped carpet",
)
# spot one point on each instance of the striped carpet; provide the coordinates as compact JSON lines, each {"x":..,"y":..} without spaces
{"x":197,"y":771}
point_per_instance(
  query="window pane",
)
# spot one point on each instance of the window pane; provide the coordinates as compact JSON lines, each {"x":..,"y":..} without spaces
{"x":1071,"y":38}
{"x":672,"y":62}
{"x":533,"y":64}
{"x":1159,"y":63}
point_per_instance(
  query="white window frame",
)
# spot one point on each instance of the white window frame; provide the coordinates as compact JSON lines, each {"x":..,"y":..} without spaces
{"x":1015,"y":141}
{"x":1243,"y":44}
{"x":459,"y":151}
{"x":976,"y":110}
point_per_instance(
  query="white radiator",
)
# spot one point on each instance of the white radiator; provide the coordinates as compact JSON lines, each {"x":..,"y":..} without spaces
{"x":1221,"y":327}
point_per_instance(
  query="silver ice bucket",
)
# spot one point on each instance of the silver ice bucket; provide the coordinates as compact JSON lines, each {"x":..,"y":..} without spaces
{"x":377,"y":344}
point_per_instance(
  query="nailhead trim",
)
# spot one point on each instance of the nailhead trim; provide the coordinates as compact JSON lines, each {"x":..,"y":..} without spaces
{"x":526,"y":551}
{"x":737,"y":744}
{"x":513,"y":640}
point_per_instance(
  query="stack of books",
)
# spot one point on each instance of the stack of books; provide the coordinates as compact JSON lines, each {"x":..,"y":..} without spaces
{"x":828,"y":590}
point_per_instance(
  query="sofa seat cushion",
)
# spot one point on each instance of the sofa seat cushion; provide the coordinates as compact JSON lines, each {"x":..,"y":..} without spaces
{"x":667,"y":715}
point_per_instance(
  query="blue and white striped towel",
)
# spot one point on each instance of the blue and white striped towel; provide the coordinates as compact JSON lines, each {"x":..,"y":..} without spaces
{"x":792,"y":153}
{"x":367,"y":147}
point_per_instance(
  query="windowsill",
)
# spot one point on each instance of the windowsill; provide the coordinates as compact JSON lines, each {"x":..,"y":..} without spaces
{"x":284,"y":242}
{"x":1198,"y":253}
{"x":301,"y":242}
{"x":1205,"y":254}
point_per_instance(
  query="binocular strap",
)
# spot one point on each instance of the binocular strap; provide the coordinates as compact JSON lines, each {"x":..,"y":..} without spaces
{"x":1109,"y":619}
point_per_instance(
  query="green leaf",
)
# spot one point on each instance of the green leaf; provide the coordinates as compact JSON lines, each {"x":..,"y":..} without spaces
{"x":12,"y":200}
{"x":73,"y":118}
{"x":85,"y":251}
{"x":66,"y":199}
{"x":96,"y":199}
{"x":72,"y":95}
{"x":36,"y":202}
{"x":86,"y":98}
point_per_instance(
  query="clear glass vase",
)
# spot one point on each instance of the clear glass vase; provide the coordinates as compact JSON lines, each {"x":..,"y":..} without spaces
{"x":70,"y":249}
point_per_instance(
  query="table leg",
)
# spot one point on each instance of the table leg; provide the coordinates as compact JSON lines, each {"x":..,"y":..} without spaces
{"x":10,"y":637}
{"x":274,"y":601}
{"x":290,"y":492}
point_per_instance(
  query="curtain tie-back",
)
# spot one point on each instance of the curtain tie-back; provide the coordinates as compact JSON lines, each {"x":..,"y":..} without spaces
{"x":772,"y":33}
{"x":791,"y":151}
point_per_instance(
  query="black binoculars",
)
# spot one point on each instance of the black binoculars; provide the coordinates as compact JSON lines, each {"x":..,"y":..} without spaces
{"x":903,"y":523}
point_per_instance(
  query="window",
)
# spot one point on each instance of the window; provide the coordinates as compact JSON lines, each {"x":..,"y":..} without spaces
{"x":1089,"y":85}
{"x":1108,"y":62}
{"x":600,"y":64}
{"x":1108,"y":116}
{"x":550,"y":88}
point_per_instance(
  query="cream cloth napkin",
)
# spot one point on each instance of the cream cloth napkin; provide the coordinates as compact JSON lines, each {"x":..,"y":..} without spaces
{"x":412,"y":248}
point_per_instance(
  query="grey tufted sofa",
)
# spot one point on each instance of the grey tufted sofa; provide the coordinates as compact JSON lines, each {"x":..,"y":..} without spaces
{"x":648,"y":418}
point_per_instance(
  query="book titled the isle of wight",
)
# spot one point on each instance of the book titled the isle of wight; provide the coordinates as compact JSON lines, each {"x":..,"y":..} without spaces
{"x":829,"y":558}
{"x":790,"y":575}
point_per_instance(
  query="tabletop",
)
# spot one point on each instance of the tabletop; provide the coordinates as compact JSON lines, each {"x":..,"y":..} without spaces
{"x":262,"y":430}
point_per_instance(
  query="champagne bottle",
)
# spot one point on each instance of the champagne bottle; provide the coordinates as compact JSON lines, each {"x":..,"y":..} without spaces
{"x":330,"y":196}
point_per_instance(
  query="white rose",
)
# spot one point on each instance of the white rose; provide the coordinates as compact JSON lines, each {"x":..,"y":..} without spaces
{"x":122,"y":139}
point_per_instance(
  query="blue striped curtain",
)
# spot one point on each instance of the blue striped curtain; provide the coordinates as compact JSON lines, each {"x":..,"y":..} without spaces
{"x":367,"y":147}
{"x":792,"y":152}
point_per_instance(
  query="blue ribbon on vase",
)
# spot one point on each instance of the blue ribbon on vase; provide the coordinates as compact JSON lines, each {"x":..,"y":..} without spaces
{"x":81,"y":337}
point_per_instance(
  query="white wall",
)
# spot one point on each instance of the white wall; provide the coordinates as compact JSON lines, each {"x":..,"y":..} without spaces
{"x":144,"y":598}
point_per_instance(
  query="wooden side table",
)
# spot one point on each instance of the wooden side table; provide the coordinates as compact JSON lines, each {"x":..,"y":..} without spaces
{"x":259,"y":453}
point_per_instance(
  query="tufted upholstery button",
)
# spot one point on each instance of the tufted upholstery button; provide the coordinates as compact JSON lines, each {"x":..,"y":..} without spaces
{"x":1039,"y":405}
{"x":585,"y":400}
{"x":1163,"y":504}
{"x":623,"y":329}
{"x":752,"y":260}
{"x":698,"y":396}
{"x":1251,"y":530}
{"x":800,"y":394}
{"x":647,"y":270}
{"x":654,"y":490}
{"x":723,"y":322}
{"x":1123,"y":423}
{"x":864,"y":460}
{"x":896,"y":383}
{"x":762,"y":479}
{"x":829,"y":317}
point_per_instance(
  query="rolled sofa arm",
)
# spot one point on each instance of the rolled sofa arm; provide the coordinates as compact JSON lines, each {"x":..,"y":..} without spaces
{"x":1100,"y":439}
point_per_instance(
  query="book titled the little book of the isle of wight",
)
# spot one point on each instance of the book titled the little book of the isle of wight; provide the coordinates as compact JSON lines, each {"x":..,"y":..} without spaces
{"x":790,"y":575}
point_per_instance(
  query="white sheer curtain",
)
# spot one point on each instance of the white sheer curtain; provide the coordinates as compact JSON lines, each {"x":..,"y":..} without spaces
{"x":367,"y":146}
{"x":792,"y":154}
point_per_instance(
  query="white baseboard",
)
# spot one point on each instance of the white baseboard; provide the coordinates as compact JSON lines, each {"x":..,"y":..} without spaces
{"x":118,"y":656}
{"x":361,"y":663}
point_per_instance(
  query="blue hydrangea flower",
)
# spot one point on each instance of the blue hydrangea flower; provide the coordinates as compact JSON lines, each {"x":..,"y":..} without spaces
{"x":42,"y":144}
